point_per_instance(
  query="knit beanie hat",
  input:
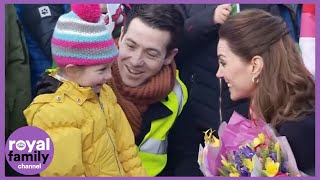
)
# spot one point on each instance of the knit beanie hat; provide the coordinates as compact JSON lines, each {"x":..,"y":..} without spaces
{"x":82,"y":38}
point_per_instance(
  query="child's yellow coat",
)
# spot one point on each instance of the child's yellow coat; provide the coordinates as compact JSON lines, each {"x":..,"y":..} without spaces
{"x":89,"y":139}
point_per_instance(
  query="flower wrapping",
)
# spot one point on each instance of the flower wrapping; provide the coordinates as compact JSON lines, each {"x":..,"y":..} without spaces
{"x":246,"y":148}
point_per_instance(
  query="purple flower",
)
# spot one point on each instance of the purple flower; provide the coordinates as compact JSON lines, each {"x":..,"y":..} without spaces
{"x":247,"y":152}
{"x":283,"y":167}
{"x":237,"y":158}
{"x":273,"y":156}
{"x":243,"y":170}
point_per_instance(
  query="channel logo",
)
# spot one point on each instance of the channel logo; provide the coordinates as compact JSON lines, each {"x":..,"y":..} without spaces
{"x":29,"y":150}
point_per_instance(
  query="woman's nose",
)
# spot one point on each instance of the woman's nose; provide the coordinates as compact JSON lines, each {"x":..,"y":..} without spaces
{"x":219,"y":73}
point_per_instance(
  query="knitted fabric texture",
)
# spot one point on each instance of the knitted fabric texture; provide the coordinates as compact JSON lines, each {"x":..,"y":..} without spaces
{"x":81,"y":38}
{"x":135,"y":100}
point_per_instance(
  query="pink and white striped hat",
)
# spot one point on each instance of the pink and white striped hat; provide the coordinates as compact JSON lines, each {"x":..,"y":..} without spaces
{"x":82,"y":38}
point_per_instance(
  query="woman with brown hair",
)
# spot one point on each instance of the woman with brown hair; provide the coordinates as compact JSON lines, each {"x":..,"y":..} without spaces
{"x":259,"y":60}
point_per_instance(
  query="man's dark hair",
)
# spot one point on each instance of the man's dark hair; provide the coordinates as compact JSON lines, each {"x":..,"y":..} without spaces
{"x":159,"y":16}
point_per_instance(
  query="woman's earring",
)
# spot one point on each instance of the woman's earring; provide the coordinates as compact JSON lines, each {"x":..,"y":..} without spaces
{"x":255,"y":80}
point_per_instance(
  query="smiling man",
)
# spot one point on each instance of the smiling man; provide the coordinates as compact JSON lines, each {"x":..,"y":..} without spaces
{"x":145,"y":79}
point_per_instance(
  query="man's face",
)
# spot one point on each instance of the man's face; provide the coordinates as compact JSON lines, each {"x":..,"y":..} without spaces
{"x":142,"y":53}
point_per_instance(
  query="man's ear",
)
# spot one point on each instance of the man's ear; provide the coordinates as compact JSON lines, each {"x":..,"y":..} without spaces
{"x":170,"y":56}
{"x":257,"y":65}
{"x":121,"y":34}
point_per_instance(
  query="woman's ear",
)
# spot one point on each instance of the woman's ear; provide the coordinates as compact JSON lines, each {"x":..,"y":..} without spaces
{"x":257,"y":65}
{"x":170,"y":56}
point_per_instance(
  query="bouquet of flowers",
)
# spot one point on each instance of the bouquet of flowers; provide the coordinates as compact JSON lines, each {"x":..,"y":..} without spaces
{"x":246,"y":148}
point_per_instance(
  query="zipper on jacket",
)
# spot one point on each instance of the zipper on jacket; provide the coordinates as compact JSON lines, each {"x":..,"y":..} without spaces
{"x":115,"y":153}
{"x":220,"y":101}
{"x":101,"y":105}
{"x":113,"y":145}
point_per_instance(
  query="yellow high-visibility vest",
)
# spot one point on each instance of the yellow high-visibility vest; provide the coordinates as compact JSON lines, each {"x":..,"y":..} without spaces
{"x":153,"y":148}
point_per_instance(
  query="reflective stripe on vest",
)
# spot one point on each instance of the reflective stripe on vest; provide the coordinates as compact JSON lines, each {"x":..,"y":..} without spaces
{"x":178,"y":91}
{"x":154,"y":146}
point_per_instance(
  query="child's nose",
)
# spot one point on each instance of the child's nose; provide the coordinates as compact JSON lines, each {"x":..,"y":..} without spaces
{"x":108,"y":76}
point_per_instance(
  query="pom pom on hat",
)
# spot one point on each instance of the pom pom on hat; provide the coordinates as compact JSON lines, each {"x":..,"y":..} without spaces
{"x":82,"y":38}
{"x":87,"y":12}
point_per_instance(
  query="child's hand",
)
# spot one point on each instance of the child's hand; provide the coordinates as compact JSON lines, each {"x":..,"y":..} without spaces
{"x":221,"y":13}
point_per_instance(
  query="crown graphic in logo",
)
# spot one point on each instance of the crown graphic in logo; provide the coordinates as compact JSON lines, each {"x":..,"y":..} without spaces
{"x":21,"y":145}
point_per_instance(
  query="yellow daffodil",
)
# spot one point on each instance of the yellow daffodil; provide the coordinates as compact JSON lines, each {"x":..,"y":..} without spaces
{"x":256,"y":142}
{"x":234,"y":174}
{"x":225,"y":162}
{"x":248,"y":163}
{"x":278,"y":151}
{"x":233,"y":168}
{"x":209,"y":138}
{"x":261,"y":138}
{"x":271,"y":167}
{"x":216,"y":142}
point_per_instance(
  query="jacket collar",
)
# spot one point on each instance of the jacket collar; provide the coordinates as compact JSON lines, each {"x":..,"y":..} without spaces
{"x":155,"y":111}
{"x":75,"y":92}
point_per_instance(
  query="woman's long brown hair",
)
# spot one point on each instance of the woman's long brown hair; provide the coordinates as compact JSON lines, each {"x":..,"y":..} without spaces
{"x":286,"y":89}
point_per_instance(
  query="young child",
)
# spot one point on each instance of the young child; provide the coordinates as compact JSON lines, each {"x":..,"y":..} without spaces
{"x":89,"y":130}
